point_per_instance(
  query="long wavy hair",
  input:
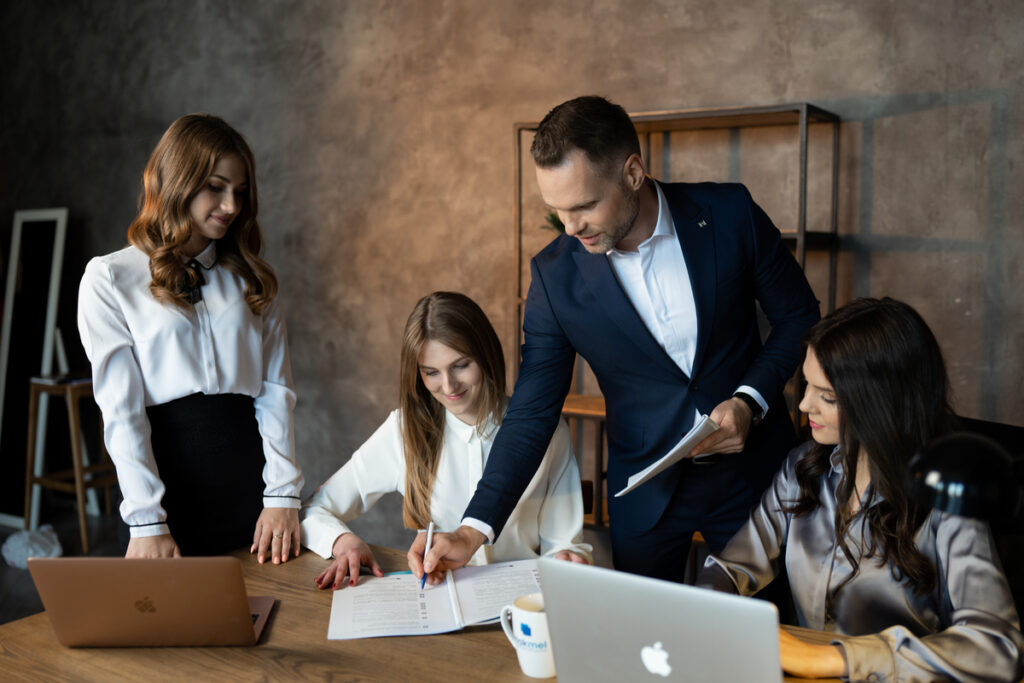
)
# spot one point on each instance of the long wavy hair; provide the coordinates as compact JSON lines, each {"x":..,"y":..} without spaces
{"x":457,"y":322}
{"x":177,"y":170}
{"x":890,"y":383}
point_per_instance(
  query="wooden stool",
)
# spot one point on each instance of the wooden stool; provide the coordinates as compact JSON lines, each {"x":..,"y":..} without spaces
{"x":583,"y":407}
{"x":73,"y":480}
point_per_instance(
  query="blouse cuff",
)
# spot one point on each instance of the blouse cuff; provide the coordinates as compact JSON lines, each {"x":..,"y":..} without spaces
{"x":868,"y":659}
{"x":147,"y":530}
{"x":282,"y":502}
{"x":318,"y":533}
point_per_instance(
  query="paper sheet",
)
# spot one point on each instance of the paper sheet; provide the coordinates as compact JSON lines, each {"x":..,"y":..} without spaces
{"x":395,"y":605}
{"x":700,"y":431}
{"x":484,"y":590}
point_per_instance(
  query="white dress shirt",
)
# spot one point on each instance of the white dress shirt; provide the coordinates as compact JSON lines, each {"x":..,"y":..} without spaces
{"x":657,"y":282}
{"x":145,"y":353}
{"x":548,"y":518}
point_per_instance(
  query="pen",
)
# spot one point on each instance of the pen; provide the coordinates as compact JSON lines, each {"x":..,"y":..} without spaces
{"x":430,"y":537}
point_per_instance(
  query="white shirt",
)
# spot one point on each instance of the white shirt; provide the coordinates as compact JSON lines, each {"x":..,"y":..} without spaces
{"x":657,"y":282}
{"x":145,"y":353}
{"x":548,"y":518}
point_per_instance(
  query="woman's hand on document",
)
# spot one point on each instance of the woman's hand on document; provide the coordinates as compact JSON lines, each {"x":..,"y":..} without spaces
{"x":350,"y":553}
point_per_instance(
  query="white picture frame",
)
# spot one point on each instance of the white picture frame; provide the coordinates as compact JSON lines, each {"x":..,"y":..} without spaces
{"x":25,"y":219}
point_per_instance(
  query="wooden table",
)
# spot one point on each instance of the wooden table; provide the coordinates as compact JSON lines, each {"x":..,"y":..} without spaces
{"x":294,"y":645}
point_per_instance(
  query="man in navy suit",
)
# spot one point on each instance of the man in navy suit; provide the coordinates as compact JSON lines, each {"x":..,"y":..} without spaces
{"x":655,"y":286}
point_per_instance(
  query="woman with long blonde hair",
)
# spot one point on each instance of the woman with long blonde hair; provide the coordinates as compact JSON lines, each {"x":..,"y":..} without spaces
{"x":190,"y":358}
{"x":433,"y":449}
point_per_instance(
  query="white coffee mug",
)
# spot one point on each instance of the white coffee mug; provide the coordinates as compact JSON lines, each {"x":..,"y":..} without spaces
{"x":526,"y":626}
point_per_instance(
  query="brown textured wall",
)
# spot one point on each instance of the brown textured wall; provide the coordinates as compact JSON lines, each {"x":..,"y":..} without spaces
{"x":383,"y":137}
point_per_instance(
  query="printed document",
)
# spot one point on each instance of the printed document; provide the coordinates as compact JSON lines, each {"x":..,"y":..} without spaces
{"x":394,"y":605}
{"x":699,"y":432}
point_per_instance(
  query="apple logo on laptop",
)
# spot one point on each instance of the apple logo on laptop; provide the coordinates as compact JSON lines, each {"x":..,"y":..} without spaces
{"x":655,"y":659}
{"x":145,"y":605}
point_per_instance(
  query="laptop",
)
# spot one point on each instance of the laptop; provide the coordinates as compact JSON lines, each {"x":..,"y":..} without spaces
{"x":607,"y":625}
{"x":114,"y":602}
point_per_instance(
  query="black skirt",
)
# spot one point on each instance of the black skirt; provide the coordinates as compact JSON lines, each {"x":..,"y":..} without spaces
{"x":209,"y":455}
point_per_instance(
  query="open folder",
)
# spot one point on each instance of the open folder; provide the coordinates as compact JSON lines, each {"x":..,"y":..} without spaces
{"x":698,"y":433}
{"x":395,"y":605}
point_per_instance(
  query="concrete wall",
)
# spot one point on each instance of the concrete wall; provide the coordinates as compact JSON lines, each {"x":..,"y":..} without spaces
{"x":383,"y":137}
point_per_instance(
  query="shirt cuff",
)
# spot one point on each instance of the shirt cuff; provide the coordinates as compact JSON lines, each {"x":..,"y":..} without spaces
{"x":147,"y":530}
{"x":756,"y":395}
{"x":482,"y":527}
{"x":282,"y":502}
{"x":869,"y":659}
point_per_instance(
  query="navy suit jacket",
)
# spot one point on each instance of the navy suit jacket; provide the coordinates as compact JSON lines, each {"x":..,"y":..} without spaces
{"x":735,"y":256}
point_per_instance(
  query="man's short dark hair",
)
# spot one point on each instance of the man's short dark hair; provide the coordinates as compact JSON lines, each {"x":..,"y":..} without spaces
{"x":601,"y":129}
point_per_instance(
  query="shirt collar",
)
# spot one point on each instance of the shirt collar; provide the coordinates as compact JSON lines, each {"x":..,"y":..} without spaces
{"x":836,"y":460}
{"x":468,"y":432}
{"x":207,"y":257}
{"x":460,"y":428}
{"x":663,"y":227}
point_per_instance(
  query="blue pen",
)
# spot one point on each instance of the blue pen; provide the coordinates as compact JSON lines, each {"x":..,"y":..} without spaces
{"x":430,"y":537}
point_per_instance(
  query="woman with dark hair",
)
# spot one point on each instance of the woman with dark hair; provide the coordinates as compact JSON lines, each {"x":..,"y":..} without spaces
{"x":433,"y":449}
{"x":916,"y":594}
{"x":190,"y":358}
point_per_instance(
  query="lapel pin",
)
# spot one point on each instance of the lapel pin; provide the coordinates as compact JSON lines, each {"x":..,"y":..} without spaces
{"x":702,"y":223}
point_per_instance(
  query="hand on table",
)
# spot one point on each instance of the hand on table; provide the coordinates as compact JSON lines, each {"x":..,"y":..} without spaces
{"x":350,"y":552}
{"x":277,"y":530}
{"x":805,"y":660}
{"x":733,"y":419}
{"x":447,"y":551}
{"x":570,"y":556}
{"x":149,"y":547}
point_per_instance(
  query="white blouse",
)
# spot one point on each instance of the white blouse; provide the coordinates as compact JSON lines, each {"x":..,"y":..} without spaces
{"x":548,"y":518}
{"x":145,"y":353}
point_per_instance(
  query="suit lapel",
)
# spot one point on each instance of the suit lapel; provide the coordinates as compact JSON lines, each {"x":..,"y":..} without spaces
{"x":695,"y":230}
{"x":600,"y":279}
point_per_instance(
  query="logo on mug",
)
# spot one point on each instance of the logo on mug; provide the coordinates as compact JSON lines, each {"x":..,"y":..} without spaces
{"x":525,"y":628}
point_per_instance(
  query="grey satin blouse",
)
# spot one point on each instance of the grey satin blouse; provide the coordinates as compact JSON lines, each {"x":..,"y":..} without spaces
{"x":967,"y":629}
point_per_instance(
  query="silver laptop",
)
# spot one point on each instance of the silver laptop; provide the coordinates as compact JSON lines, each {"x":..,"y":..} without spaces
{"x":612,"y":626}
{"x":114,"y":602}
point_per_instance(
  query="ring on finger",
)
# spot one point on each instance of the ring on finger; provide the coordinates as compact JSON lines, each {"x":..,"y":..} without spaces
{"x":278,"y":535}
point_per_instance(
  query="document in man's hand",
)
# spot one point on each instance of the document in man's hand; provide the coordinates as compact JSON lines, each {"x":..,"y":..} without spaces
{"x":394,"y":605}
{"x":699,"y":432}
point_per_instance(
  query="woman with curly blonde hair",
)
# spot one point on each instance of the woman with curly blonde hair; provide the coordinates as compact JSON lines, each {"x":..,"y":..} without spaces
{"x":190,"y":359}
